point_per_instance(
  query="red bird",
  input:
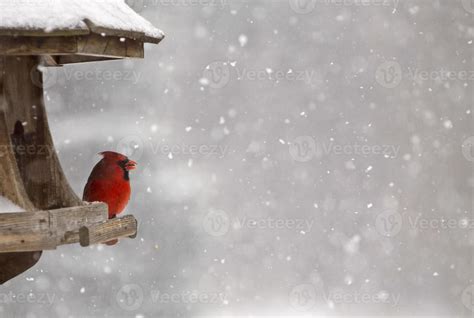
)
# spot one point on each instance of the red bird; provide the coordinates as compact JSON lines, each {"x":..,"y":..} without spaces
{"x":109,"y":182}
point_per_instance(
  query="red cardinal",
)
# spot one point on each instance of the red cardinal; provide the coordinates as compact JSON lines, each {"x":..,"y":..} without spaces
{"x":109,"y":182}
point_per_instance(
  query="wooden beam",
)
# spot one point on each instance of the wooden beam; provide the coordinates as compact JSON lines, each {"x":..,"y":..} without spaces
{"x":25,"y":232}
{"x":67,"y":222}
{"x":106,"y":231}
{"x":95,"y":46}
{"x":42,"y":33}
{"x":45,"y":230}
{"x":109,"y":46}
{"x":91,"y":29}
{"x":37,"y":45}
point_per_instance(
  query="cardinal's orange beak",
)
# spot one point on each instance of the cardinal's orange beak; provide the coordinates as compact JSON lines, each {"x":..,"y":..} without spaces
{"x":131,"y":165}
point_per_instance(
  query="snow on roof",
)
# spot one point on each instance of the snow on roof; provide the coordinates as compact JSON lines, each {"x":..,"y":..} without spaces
{"x":72,"y":17}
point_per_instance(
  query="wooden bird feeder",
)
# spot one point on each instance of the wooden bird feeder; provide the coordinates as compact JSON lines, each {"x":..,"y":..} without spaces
{"x":52,"y":33}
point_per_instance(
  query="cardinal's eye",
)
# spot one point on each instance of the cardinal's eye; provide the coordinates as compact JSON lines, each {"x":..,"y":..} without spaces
{"x":123,"y":163}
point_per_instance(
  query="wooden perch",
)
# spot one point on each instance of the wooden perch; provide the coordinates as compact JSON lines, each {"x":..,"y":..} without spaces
{"x":109,"y":230}
{"x":45,"y":230}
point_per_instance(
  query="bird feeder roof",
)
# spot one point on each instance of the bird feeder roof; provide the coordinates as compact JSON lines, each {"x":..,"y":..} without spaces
{"x":48,"y":18}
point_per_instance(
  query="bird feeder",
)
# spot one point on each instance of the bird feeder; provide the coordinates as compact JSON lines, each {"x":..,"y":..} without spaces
{"x":37,"y":33}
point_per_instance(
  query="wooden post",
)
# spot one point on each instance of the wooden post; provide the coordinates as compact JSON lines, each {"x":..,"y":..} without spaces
{"x":30,"y":144}
{"x":30,"y":173}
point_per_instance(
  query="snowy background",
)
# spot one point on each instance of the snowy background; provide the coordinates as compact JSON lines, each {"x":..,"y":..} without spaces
{"x":296,"y":158}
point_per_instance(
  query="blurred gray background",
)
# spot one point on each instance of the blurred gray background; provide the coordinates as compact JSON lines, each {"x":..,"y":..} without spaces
{"x":296,"y":158}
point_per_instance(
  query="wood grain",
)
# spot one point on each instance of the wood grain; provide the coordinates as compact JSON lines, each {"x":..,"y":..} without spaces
{"x":45,"y":230}
{"x":92,"y":47}
{"x":106,"y":231}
